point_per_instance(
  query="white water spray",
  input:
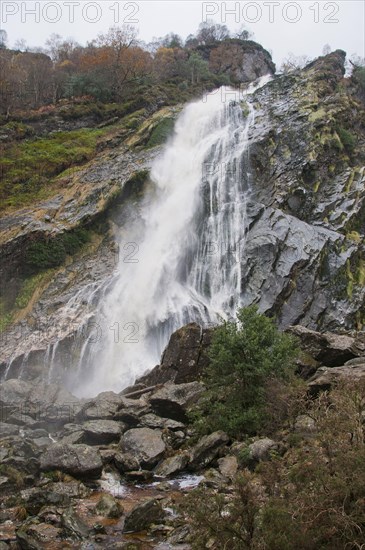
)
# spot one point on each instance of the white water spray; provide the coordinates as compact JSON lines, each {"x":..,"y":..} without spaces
{"x":186,"y":261}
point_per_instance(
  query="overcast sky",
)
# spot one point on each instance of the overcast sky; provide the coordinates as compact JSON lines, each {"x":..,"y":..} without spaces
{"x":302,"y":27}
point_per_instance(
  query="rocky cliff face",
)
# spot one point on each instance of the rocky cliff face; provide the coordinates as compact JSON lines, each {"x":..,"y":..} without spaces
{"x":303,"y":257}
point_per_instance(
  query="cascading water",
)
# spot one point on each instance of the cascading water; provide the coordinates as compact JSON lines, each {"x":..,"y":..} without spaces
{"x":185,"y":259}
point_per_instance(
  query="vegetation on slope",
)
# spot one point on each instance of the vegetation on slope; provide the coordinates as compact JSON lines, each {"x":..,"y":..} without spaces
{"x":309,"y":492}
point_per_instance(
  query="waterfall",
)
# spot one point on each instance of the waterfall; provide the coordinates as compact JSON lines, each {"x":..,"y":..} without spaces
{"x":180,"y":260}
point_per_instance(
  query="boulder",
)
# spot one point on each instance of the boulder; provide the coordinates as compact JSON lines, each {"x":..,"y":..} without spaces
{"x":184,"y":357}
{"x":101,"y":432}
{"x":8,"y":429}
{"x":153,"y":421}
{"x":31,"y":532}
{"x":173,"y":401}
{"x":330,"y":349}
{"x":104,"y":407}
{"x":143,"y":515}
{"x":36,"y":498}
{"x":145,"y":445}
{"x":325,"y":377}
{"x":261,"y":450}
{"x":228,"y":466}
{"x":108,"y":507}
{"x":79,"y":461}
{"x":207,"y":449}
{"x":73,"y":525}
{"x":305,"y":425}
{"x":41,"y":404}
{"x":172,"y":465}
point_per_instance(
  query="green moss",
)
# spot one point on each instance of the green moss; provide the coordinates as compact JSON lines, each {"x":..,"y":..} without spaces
{"x":245,"y":109}
{"x":317,"y":115}
{"x":29,"y":287}
{"x":361,"y":273}
{"x":161,"y":132}
{"x":350,"y":181}
{"x":45,"y":254}
{"x":354,"y":236}
{"x":316,"y":186}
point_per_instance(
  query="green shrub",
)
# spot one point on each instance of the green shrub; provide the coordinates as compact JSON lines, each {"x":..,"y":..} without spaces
{"x":312,"y":497}
{"x":52,"y":252}
{"x":348,"y":140}
{"x":244,"y":357}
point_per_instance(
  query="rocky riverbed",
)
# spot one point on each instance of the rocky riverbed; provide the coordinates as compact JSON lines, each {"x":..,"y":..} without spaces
{"x":112,"y":470}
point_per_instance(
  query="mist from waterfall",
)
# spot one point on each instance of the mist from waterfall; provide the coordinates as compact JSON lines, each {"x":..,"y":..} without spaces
{"x":180,"y":260}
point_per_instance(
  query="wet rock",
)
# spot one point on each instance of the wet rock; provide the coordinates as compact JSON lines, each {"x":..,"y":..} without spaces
{"x":125,"y":462}
{"x":36,"y":498}
{"x":172,"y":465}
{"x":80,"y":461}
{"x":145,"y":445}
{"x":207,"y":449}
{"x":174,"y":400}
{"x":108,"y":507}
{"x":72,"y":489}
{"x":73,"y":525}
{"x":326,"y":377}
{"x":140,"y":476}
{"x":101,"y":432}
{"x":183,"y":359}
{"x":33,"y":535}
{"x":143,"y":515}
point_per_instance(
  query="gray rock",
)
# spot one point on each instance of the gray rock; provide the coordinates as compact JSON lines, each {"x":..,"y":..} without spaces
{"x":103,"y":407}
{"x":145,"y":445}
{"x":261,"y":449}
{"x":184,"y":357}
{"x":8,"y":429}
{"x":143,"y":515}
{"x":172,"y":465}
{"x":101,"y":432}
{"x":173,"y":401}
{"x":228,"y":466}
{"x":108,"y":507}
{"x":207,"y":449}
{"x":326,"y":377}
{"x":305,"y":425}
{"x":80,"y":461}
{"x":332,"y":350}
{"x":153,"y":421}
{"x":73,"y":525}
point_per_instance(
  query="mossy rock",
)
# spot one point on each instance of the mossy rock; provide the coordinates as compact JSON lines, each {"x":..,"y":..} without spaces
{"x":161,"y":132}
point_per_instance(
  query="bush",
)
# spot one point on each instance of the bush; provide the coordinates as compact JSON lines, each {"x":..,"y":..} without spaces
{"x":51,"y":253}
{"x":312,"y":497}
{"x":348,"y":140}
{"x":244,"y":357}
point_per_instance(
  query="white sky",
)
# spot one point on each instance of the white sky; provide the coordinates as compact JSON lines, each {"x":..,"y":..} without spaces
{"x":302,"y":27}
